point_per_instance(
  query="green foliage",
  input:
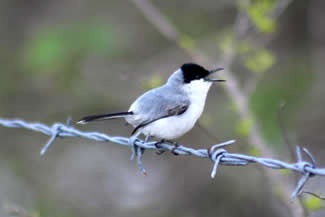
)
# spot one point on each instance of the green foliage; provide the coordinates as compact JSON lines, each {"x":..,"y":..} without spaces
{"x":35,"y":213}
{"x":259,"y":62}
{"x":47,"y":207}
{"x":313,"y":203}
{"x":46,"y":51}
{"x":232,"y":106}
{"x":226,"y":43}
{"x":186,"y":42}
{"x":244,"y":127}
{"x":206,"y":121}
{"x":155,"y":81}
{"x":59,"y":51}
{"x":277,"y":191}
{"x":253,"y":151}
{"x":285,"y":171}
{"x":265,"y":101}
{"x":259,"y":13}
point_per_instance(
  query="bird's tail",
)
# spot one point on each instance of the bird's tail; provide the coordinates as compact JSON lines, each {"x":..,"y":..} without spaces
{"x":90,"y":118}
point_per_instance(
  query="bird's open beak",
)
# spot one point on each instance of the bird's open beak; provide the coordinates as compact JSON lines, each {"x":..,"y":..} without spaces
{"x":213,"y":79}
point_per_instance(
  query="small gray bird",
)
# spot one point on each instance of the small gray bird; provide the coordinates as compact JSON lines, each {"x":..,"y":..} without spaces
{"x":171,"y":110}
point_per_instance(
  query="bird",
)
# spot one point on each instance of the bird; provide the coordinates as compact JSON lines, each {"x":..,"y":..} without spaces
{"x":171,"y":110}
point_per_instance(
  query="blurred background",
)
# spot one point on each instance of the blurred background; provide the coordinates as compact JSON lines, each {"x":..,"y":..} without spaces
{"x":71,"y":58}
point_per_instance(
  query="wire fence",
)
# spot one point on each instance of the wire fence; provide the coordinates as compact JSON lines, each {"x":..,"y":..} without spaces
{"x":216,"y":153}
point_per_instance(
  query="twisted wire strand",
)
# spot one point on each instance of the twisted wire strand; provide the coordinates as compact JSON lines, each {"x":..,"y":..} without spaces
{"x":216,"y":153}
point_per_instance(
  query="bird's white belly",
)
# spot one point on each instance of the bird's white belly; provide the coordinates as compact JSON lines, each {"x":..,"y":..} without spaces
{"x":175,"y":126}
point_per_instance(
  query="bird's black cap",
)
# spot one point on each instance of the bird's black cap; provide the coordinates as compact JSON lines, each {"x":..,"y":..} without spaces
{"x":192,"y":71}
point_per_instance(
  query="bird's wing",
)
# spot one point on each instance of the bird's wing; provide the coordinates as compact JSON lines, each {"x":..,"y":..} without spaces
{"x":175,"y":104}
{"x":177,"y":110}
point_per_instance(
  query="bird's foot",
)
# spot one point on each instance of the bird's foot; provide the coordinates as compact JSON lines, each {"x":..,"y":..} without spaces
{"x":134,"y":147}
{"x":176,"y":145}
{"x":160,"y":150}
{"x":137,"y":151}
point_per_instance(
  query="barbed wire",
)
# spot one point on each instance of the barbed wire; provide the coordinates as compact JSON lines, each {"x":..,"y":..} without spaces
{"x":216,"y":153}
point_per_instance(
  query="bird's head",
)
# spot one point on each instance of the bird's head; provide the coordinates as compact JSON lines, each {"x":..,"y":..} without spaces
{"x":192,"y":72}
{"x":193,"y":79}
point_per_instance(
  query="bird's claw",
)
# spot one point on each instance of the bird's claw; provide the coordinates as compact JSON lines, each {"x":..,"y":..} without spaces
{"x":160,"y":150}
{"x":134,"y":147}
{"x":174,"y":149}
{"x":137,"y":151}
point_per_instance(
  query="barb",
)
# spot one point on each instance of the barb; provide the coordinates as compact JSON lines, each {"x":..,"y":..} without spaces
{"x":216,"y":153}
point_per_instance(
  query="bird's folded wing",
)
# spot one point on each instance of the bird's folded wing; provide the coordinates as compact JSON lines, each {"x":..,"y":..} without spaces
{"x":167,"y":107}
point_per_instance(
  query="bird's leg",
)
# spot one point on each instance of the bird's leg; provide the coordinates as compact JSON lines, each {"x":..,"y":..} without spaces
{"x":147,"y":139}
{"x":161,"y":151}
{"x":159,"y":148}
{"x":132,"y":141}
{"x":138,"y":151}
{"x":157,"y":144}
{"x":175,"y":144}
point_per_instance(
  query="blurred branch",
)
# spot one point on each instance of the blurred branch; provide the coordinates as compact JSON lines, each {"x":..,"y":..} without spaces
{"x":241,"y":29}
{"x":205,"y":130}
{"x":284,"y":131}
{"x":262,"y":40}
{"x":157,"y":19}
{"x":279,"y":8}
{"x":287,"y":142}
{"x":215,"y":153}
{"x":313,"y":194}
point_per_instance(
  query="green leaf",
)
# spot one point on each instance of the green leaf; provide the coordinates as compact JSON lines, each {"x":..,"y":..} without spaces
{"x":244,"y":127}
{"x":260,"y":61}
{"x":57,"y":53}
{"x":245,"y":47}
{"x":95,"y":38}
{"x":259,"y":12}
{"x":187,"y":42}
{"x":313,"y":203}
{"x":226,"y":43}
{"x":252,"y":150}
{"x":155,"y":81}
{"x":46,"y":50}
{"x":289,"y":86}
{"x":285,"y":171}
{"x":206,"y":121}
{"x":36,"y":213}
{"x":233,"y":107}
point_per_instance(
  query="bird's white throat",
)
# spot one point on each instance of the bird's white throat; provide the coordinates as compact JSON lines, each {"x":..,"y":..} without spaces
{"x":197,"y":90}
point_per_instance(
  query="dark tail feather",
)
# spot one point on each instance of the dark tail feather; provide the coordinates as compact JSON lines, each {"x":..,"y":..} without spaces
{"x":103,"y":117}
